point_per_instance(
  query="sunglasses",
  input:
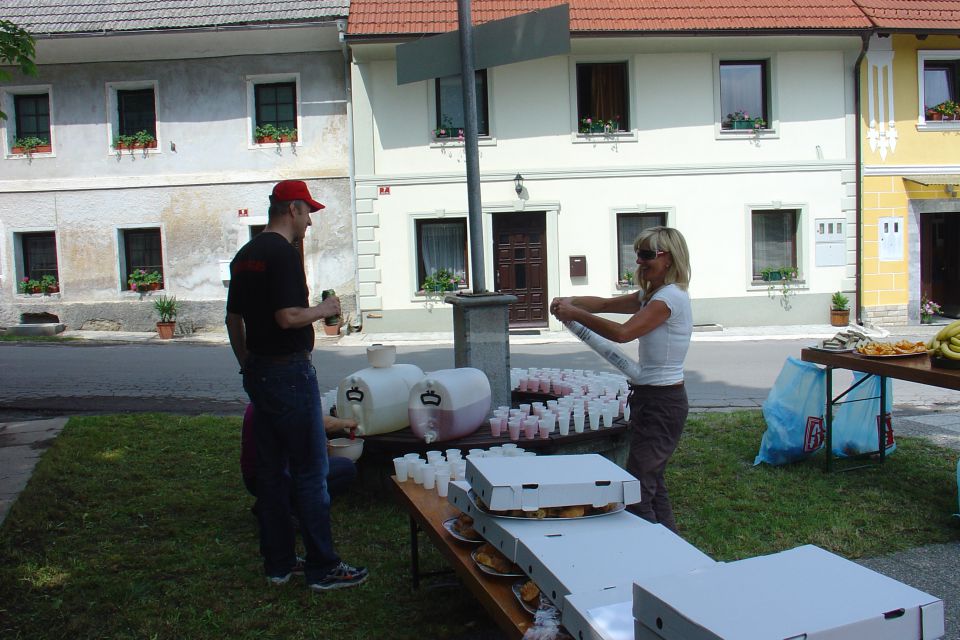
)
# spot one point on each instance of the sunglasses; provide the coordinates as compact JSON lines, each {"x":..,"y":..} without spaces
{"x":649,"y":254}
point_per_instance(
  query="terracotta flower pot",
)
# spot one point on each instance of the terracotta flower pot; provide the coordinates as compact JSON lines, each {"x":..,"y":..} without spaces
{"x":165,"y":330}
{"x":331,"y":329}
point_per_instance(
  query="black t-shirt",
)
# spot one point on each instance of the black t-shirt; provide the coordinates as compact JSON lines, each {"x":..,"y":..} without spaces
{"x":267,"y":275}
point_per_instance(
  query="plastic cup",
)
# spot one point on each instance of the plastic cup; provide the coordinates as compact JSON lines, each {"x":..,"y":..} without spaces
{"x":417,"y":470}
{"x":400,"y":469}
{"x":608,"y":418}
{"x":429,"y":477}
{"x":523,"y":384}
{"x":513,"y":427}
{"x":564,"y":424}
{"x":530,"y":427}
{"x":578,"y":421}
{"x":493,"y":452}
{"x":528,"y":454}
{"x":442,"y":480}
{"x":594,"y":420}
{"x":512,"y":453}
{"x":495,"y":426}
{"x":508,"y":445}
{"x":544,"y":385}
{"x":544,"y":431}
{"x":525,"y":409}
{"x":477,"y":453}
{"x":412,"y":456}
{"x":432,"y":456}
{"x":461,"y":469}
{"x":453,"y":454}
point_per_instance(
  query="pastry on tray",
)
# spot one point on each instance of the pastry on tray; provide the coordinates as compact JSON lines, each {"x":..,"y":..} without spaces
{"x":490,"y":557}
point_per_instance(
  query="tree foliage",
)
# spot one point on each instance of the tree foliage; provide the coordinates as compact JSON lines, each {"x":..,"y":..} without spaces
{"x":17,"y":48}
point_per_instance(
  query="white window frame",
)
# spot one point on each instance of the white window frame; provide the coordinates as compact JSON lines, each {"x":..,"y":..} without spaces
{"x":489,"y":140}
{"x":18,"y":266}
{"x":413,"y":268}
{"x":773,"y":125}
{"x":934,"y":125}
{"x":670,"y":218}
{"x":803,"y":222}
{"x":271,"y":78}
{"x":603,"y":138}
{"x":113,"y":115}
{"x":121,"y":255}
{"x":9,"y":126}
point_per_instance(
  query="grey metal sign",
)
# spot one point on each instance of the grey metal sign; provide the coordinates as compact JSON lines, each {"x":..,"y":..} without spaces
{"x":537,"y":34}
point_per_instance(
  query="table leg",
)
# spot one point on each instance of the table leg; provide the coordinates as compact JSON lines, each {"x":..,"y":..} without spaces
{"x":414,"y":554}
{"x":882,"y":424}
{"x":829,"y":420}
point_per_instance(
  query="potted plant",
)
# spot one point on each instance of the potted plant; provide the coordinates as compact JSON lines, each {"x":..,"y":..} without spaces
{"x":928,"y":309}
{"x":140,"y":280}
{"x":267,"y":133}
{"x":440,"y":280}
{"x":331,"y":324}
{"x":446,"y":129}
{"x":167,"y":307}
{"x":139,"y":140}
{"x":30,"y":145}
{"x":785,"y":276}
{"x":28,"y":285}
{"x":49,"y":284}
{"x":839,"y":310}
{"x":626,"y":280}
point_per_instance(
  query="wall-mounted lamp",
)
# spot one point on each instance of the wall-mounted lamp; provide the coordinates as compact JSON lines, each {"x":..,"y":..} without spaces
{"x":518,"y":184}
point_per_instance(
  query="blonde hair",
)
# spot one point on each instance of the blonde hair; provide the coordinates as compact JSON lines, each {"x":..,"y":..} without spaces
{"x":669,"y":240}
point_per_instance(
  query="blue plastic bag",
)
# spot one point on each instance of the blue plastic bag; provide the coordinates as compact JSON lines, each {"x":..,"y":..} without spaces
{"x":793,"y":412}
{"x":855,"y":423}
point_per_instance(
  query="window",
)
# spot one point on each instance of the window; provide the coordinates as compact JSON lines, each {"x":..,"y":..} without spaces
{"x":275,"y":104}
{"x":744,"y":94}
{"x":939,"y":80}
{"x":136,"y":111}
{"x":442,"y":244}
{"x":602,"y":96}
{"x":629,"y":226}
{"x":450,"y":118}
{"x":774,"y":239}
{"x":39,"y":255}
{"x":141,"y":250}
{"x":32,"y":116}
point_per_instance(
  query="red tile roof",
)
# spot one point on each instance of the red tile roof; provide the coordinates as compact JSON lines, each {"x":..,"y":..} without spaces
{"x":414,"y":17}
{"x":913,"y":15}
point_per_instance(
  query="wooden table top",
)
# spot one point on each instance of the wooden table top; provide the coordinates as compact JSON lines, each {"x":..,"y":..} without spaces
{"x":915,"y":368}
{"x":495,"y":594}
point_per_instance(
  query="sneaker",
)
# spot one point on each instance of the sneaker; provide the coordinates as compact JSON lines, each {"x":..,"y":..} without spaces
{"x":342,"y":576}
{"x":297,"y":569}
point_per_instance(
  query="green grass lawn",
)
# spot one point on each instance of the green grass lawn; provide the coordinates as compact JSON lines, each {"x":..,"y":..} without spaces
{"x":138,"y":526}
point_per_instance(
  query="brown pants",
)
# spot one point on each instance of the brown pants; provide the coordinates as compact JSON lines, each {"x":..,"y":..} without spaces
{"x":657,"y":416}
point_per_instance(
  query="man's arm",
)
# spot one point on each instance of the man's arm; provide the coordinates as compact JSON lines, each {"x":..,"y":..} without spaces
{"x":296,"y":317}
{"x":238,"y":337}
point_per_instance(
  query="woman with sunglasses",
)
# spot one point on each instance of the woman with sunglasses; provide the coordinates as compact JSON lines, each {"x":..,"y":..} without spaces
{"x":661,"y":321}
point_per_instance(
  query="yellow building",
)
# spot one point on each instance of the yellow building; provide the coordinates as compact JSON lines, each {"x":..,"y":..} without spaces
{"x":909,"y":242}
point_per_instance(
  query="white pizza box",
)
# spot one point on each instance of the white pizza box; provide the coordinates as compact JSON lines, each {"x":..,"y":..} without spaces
{"x":805,"y":592}
{"x":561,"y":564}
{"x":530,"y":483}
{"x":505,"y":533}
{"x":606,"y":614}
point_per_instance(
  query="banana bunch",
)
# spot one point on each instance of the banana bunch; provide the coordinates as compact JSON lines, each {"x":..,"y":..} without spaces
{"x":946,"y":343}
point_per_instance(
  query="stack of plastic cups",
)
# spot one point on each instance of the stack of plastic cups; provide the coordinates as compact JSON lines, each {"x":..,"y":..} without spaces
{"x":564,"y":418}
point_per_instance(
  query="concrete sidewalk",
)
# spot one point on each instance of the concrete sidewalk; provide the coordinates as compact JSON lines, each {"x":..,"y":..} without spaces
{"x":707,"y":333}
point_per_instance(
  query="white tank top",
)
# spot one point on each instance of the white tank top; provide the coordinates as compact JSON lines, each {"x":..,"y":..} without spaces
{"x":663,"y":350}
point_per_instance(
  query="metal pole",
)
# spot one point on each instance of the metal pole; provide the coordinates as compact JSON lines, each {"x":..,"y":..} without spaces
{"x":474,"y":208}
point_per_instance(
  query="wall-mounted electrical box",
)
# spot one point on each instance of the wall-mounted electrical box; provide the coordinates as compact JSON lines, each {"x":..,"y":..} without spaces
{"x":578,"y":266}
{"x":890,"y":233}
{"x":830,"y":245}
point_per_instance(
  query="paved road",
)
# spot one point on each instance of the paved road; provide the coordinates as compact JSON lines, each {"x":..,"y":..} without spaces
{"x":193,"y":378}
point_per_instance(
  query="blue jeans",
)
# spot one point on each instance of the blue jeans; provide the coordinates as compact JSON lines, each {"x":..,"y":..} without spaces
{"x":288,"y":429}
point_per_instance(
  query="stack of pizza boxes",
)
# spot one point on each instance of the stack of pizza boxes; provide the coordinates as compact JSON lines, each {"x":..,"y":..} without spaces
{"x":600,"y":553}
{"x":614,"y":576}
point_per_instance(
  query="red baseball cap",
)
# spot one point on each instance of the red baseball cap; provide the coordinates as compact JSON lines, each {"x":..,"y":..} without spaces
{"x":289,"y":190}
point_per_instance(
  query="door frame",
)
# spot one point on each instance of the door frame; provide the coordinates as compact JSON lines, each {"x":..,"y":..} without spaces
{"x":551,"y":209}
{"x":916,"y":209}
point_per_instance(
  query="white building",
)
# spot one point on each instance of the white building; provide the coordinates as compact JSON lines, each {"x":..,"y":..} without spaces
{"x":199,"y":79}
{"x":780,"y":193}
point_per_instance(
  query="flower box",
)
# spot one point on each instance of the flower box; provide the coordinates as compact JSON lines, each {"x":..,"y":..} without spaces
{"x":22,"y":151}
{"x":120,"y":146}
{"x":275,"y":139}
{"x":742,"y":124}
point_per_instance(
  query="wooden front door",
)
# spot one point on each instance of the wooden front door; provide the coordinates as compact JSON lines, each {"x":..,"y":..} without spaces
{"x":940,"y":260}
{"x":520,"y":265}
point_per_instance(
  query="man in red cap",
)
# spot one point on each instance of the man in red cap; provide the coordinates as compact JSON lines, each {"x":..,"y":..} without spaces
{"x":270,"y":325}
